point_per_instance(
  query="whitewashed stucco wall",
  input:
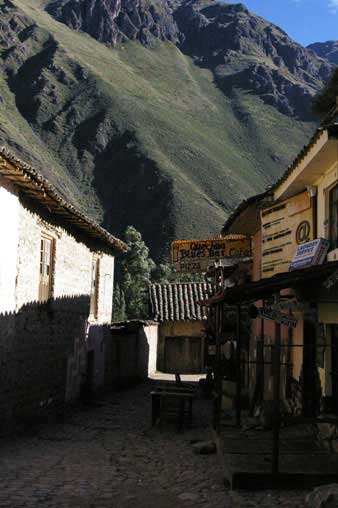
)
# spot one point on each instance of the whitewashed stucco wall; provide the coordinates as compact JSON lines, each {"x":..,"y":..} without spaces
{"x":72,"y":270}
{"x":151,"y":333}
{"x":20,"y":234}
{"x":9,"y":231}
{"x":28,"y":258}
{"x":72,"y":267}
{"x":105,"y":291}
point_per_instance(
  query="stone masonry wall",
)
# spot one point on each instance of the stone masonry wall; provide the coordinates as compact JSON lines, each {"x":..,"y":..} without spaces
{"x":44,"y":346}
{"x":35,"y":346}
{"x":72,"y":265}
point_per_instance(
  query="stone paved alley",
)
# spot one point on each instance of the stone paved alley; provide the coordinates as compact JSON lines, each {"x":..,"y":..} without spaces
{"x":108,"y":456}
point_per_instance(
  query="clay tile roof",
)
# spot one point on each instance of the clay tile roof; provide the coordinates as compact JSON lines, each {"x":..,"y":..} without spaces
{"x":31,"y":183}
{"x":178,"y":301}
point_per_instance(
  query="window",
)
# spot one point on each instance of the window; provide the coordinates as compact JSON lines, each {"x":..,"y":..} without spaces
{"x":46,"y":260}
{"x":94,"y":290}
{"x":333,"y":217}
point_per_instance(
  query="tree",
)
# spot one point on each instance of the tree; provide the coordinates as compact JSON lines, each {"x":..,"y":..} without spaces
{"x":135,"y":275}
{"x":135,"y":272}
{"x":325,"y":101}
{"x":119,"y":304}
{"x":162,"y":273}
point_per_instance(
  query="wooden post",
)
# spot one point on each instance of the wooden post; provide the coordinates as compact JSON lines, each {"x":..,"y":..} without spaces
{"x":313,"y":200}
{"x":258,"y":395}
{"x":276,"y":395}
{"x":218,"y":376}
{"x":238,"y":366}
{"x":289,"y":369}
{"x":260,"y":358}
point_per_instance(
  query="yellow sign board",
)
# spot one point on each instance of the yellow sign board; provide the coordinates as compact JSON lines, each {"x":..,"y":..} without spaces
{"x":195,"y":256}
{"x":285,"y":225}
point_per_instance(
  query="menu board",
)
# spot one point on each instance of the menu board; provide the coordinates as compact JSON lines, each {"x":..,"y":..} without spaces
{"x":285,"y":225}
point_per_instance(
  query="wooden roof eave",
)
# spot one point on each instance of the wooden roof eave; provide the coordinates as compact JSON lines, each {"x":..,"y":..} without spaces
{"x":34,"y":185}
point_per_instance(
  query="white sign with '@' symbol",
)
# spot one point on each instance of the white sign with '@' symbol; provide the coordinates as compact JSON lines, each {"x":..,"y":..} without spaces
{"x":310,"y":254}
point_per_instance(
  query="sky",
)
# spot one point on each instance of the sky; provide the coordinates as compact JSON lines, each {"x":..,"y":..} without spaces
{"x":306,"y":21}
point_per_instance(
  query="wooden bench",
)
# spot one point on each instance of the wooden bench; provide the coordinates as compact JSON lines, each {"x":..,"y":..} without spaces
{"x":160,"y":403}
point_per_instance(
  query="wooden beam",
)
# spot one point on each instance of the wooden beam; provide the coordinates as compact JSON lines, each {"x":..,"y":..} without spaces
{"x":238,"y":367}
{"x":276,"y":395}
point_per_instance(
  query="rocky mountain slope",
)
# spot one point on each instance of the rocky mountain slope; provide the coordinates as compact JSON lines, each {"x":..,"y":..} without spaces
{"x":112,"y":21}
{"x":327,"y":50}
{"x":239,"y":47}
{"x":161,"y":114}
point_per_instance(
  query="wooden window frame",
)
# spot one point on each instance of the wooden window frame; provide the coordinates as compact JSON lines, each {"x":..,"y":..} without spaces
{"x":94,"y":287}
{"x":45,"y":295}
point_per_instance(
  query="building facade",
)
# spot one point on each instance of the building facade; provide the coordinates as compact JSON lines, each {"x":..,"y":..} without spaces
{"x":56,"y":288}
{"x":181,"y":331}
{"x":295,"y":311}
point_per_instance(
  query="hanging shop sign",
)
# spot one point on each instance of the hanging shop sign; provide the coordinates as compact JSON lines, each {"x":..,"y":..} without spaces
{"x":195,"y":256}
{"x":331,"y":280}
{"x":285,"y":226}
{"x":272,"y":314}
{"x":291,"y":306}
{"x":310,"y":254}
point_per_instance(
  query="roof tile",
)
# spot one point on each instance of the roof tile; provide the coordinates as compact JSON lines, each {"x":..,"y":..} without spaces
{"x":178,"y":301}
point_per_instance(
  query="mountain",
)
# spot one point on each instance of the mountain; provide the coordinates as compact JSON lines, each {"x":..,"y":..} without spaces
{"x":241,"y":49}
{"x":112,"y":21}
{"x":161,"y":114}
{"x":327,"y":50}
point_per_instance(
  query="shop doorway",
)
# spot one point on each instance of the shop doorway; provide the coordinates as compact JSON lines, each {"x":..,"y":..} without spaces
{"x":334,"y":366}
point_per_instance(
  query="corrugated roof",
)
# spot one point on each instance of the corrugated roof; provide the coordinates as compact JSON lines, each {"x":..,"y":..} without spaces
{"x":31,"y":183}
{"x":178,"y":301}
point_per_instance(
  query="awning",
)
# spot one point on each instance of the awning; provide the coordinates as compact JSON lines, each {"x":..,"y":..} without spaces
{"x":265,"y":288}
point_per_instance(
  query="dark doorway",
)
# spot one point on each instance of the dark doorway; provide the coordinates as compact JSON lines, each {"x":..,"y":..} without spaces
{"x":311,"y":388}
{"x":88,"y":387}
{"x":334,"y":366}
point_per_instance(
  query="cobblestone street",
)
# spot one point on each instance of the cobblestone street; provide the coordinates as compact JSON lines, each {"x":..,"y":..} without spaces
{"x":108,"y":456}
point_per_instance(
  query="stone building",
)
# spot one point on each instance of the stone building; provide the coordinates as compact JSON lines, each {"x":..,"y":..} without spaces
{"x":56,"y":287}
{"x":181,"y":337}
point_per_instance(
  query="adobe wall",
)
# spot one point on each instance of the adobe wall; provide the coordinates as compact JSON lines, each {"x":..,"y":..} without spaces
{"x":131,"y":353}
{"x":178,"y":329}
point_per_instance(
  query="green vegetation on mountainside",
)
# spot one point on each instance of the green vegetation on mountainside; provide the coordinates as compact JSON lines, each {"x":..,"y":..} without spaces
{"x":136,"y":135}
